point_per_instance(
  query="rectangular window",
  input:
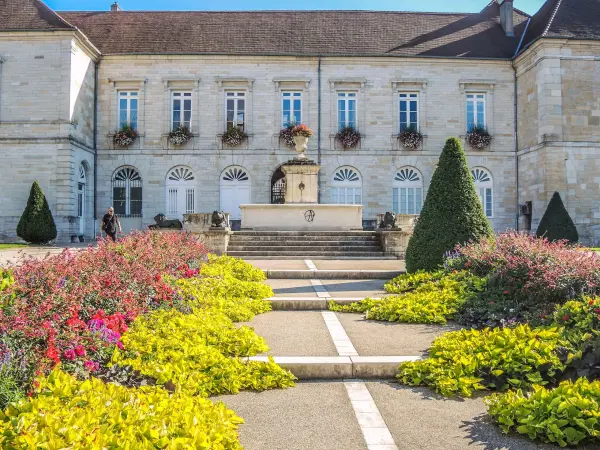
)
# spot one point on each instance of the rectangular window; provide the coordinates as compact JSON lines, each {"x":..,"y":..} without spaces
{"x":409,"y":111}
{"x":475,"y":111}
{"x":236,"y":109}
{"x":181,"y":110}
{"x":346,"y":196}
{"x":346,"y":110}
{"x":119,"y":200}
{"x":292,"y":108}
{"x":485,"y":195}
{"x":128,"y":108}
{"x":407,"y":200}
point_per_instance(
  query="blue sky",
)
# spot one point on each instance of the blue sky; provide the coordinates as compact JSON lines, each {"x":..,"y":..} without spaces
{"x":529,"y":6}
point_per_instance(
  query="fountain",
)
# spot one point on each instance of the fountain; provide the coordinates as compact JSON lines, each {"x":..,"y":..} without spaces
{"x":301,"y":210}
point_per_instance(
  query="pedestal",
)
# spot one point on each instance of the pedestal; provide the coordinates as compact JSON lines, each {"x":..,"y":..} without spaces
{"x":302,"y":183}
{"x":215,"y":239}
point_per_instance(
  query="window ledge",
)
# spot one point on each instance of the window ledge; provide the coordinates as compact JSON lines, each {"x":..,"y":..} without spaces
{"x":139,"y":135}
{"x":398,"y":135}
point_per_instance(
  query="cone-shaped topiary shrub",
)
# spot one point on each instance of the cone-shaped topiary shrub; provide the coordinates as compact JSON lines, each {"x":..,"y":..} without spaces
{"x":452,"y":213}
{"x":556,"y":224}
{"x":36,"y":225}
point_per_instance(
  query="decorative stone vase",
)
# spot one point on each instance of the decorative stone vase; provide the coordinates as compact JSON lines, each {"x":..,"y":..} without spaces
{"x":301,"y":143}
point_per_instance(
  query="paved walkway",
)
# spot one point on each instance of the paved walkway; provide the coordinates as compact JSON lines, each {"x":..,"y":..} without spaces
{"x":354,"y":413}
{"x":15,"y":256}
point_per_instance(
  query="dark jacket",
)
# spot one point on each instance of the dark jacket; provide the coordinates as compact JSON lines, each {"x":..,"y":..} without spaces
{"x":110,"y":223}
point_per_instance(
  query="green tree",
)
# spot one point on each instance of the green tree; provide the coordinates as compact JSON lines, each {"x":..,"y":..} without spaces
{"x":37,"y":224}
{"x":556,"y":224}
{"x":452,"y":213}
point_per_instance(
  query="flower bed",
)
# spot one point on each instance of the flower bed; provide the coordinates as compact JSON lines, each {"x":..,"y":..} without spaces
{"x":179,"y":135}
{"x":148,"y":310}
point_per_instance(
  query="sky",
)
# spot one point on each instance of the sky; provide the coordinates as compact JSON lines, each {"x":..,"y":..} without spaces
{"x":529,"y":6}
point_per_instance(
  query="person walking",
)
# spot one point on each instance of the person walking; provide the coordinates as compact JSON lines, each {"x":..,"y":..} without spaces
{"x":110,"y":223}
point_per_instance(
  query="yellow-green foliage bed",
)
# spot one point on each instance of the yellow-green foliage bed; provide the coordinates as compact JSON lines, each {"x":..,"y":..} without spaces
{"x":190,"y":353}
{"x":422,"y":297}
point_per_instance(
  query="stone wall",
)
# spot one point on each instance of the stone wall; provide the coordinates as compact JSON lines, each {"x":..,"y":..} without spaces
{"x":442,"y":85}
{"x":559,"y":130}
{"x":45,"y":136}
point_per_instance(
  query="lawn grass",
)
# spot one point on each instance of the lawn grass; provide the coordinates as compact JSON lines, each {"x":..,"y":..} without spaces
{"x":9,"y":246}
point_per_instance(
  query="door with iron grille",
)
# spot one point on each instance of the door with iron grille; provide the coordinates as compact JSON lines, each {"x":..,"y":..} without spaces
{"x":278,"y":187}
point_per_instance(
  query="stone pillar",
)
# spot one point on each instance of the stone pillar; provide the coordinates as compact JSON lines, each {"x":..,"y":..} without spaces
{"x":216,"y":239}
{"x":302,"y":183}
{"x":394,"y":240}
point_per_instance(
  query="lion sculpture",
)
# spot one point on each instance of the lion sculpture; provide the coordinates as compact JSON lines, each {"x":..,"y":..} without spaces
{"x":162,"y":222}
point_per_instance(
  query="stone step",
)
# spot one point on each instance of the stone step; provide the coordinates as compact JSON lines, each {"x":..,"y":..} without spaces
{"x":308,"y":303}
{"x":303,"y":248}
{"x":305,"y":233}
{"x":306,"y":254}
{"x":294,"y":274}
{"x":340,"y":367}
{"x":293,"y":258}
{"x":302,"y":240}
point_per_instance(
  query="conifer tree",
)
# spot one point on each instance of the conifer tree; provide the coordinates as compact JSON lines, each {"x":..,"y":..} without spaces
{"x":452,"y":213}
{"x":556,"y":224}
{"x":37,"y":224}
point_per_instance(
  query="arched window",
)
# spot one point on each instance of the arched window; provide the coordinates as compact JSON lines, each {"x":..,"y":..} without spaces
{"x":235,"y":190}
{"x":127,"y":192}
{"x":484,"y":185}
{"x":181,"y":192}
{"x":346,"y":186}
{"x":407,"y":191}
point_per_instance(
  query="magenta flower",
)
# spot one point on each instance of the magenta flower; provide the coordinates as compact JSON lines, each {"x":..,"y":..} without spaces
{"x":69,"y":354}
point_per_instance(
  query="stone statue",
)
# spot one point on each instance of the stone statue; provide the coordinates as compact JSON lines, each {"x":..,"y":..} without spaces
{"x":218,"y":220}
{"x":389,"y":220}
{"x":162,"y":222}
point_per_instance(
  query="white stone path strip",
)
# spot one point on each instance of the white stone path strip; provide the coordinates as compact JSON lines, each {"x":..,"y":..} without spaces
{"x":311,"y":265}
{"x":375,"y":432}
{"x":340,"y":339}
{"x":320,"y":289}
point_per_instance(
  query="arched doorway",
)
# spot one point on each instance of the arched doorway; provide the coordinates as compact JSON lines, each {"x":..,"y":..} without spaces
{"x":81,"y":206}
{"x":278,"y":184}
{"x":235,"y":190}
{"x":181,"y":192}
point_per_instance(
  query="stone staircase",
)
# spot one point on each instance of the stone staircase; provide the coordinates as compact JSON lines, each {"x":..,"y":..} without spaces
{"x":306,"y":245}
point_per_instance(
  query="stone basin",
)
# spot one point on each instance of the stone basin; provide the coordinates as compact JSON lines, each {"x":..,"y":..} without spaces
{"x":301,"y":217}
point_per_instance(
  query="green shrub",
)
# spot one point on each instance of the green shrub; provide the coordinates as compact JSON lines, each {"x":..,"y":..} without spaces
{"x":452,"y":213}
{"x":227,"y":265}
{"x":556,"y":224}
{"x":434,"y":299}
{"x":90,"y":414}
{"x":6,"y":279}
{"x":566,"y":415}
{"x":355,"y":307}
{"x":410,"y":281}
{"x":37,"y":224}
{"x":462,"y":361}
{"x":239,"y":300}
{"x":199,"y":353}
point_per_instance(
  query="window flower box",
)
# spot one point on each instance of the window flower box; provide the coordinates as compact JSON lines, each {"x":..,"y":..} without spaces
{"x":179,"y":136}
{"x":411,"y":138}
{"x":125,"y":136}
{"x":348,"y":137}
{"x":234,"y":137}
{"x":479,"y":138}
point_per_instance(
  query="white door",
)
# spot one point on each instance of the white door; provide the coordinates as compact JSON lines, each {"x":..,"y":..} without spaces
{"x":235,"y":190}
{"x":181,"y":193}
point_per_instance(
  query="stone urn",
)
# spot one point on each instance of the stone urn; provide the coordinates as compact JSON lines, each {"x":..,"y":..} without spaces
{"x":300,"y":145}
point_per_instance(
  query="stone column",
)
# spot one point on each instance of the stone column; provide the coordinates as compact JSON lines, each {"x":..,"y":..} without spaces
{"x":302,"y":184}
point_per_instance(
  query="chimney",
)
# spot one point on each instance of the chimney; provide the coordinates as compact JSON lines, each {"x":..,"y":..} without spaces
{"x":506,"y":16}
{"x":115,"y":7}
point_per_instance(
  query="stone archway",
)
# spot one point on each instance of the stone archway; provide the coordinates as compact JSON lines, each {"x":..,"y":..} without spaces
{"x":278,"y":187}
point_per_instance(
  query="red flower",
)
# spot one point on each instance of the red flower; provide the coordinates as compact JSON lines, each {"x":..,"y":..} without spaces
{"x":79,"y":350}
{"x":506,"y":292}
{"x":597,"y":310}
{"x":591,"y":303}
{"x":565,"y":317}
{"x":69,"y":354}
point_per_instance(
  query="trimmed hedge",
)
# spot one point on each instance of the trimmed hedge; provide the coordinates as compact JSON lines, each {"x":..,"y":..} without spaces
{"x":556,"y":224}
{"x":37,"y":224}
{"x":452,"y":213}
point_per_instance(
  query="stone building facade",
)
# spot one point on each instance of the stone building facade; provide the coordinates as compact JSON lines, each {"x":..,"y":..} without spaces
{"x":69,"y":80}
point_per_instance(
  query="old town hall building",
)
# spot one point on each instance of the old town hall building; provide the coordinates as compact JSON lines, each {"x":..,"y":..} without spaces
{"x":69,"y":81}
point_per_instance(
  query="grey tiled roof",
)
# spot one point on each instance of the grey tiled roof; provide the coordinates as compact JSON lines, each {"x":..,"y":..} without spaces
{"x":573,"y":19}
{"x":357,"y":33}
{"x":29,"y":15}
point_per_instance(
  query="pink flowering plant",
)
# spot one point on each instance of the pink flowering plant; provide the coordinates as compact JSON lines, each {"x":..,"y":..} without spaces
{"x":527,"y":276}
{"x":74,"y":307}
